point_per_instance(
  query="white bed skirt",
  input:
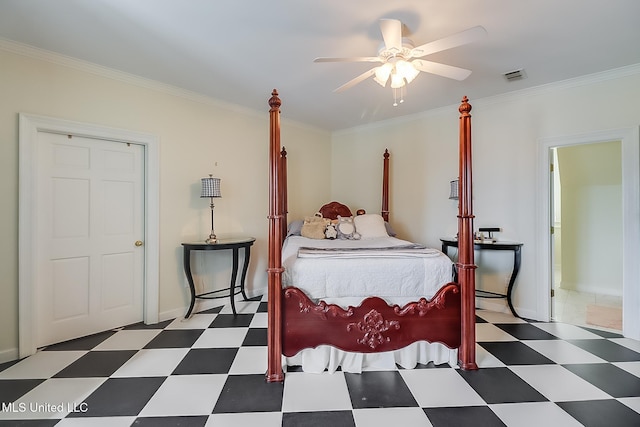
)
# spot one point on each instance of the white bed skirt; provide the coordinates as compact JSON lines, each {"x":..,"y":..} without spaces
{"x":327,"y":358}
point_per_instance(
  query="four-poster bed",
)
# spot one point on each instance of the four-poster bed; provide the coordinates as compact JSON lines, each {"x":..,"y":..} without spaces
{"x":300,"y":320}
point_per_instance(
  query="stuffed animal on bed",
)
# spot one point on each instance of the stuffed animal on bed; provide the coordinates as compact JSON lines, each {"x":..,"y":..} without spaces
{"x":314,"y":226}
{"x":331,"y":232}
{"x":346,"y":228}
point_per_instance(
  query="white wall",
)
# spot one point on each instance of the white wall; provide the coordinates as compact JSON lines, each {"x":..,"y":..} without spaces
{"x":194,"y":134}
{"x":506,"y":131}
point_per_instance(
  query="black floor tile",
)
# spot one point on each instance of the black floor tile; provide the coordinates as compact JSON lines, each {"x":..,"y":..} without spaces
{"x":608,"y":378}
{"x":249,"y":393}
{"x":84,"y":343}
{"x":255,"y":337}
{"x":214,"y":310}
{"x":603,"y":334}
{"x":232,"y":321}
{"x":120,"y":397}
{"x":602,"y":413}
{"x":141,"y":325}
{"x":476,"y":416}
{"x":379,"y":390}
{"x":607,"y":350}
{"x":175,"y":338}
{"x":190,"y":421}
{"x":28,"y":423}
{"x":206,"y":361}
{"x":262,"y":308}
{"x":525,"y":331}
{"x":501,"y":385}
{"x":318,"y":419}
{"x":96,"y":364}
{"x":6,"y":365}
{"x":515,"y":353}
{"x":10,"y":390}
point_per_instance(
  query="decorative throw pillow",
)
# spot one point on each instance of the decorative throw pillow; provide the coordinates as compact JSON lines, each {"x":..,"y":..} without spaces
{"x":314,"y":226}
{"x":346,"y":228}
{"x":295,"y":228}
{"x":370,"y":225}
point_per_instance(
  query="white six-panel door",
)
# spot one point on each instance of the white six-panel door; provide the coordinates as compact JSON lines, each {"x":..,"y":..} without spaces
{"x":90,"y":256}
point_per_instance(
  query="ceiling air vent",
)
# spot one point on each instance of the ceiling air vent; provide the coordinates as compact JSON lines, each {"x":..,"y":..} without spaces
{"x":515,"y":75}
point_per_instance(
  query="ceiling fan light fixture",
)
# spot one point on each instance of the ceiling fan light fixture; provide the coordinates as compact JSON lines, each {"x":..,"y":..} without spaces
{"x":382,"y":74}
{"x":397,"y":80}
{"x":406,"y":70}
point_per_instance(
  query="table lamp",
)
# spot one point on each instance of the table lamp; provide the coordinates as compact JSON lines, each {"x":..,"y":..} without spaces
{"x":211,"y":189}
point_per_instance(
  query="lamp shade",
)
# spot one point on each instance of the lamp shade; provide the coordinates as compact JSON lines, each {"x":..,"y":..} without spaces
{"x":210,"y":187}
{"x":453,"y":194}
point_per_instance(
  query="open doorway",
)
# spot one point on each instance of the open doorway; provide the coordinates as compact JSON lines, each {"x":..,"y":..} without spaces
{"x":630,"y":161}
{"x":587,"y":235}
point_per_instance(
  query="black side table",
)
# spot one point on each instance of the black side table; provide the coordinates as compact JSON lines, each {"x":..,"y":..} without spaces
{"x":234,"y":289}
{"x":495,"y":246}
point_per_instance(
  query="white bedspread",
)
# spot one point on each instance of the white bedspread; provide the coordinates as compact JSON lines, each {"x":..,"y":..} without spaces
{"x":395,"y":278}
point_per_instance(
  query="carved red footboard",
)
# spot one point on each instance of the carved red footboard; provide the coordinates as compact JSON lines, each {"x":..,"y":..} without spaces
{"x":296,"y":323}
{"x":373,"y":326}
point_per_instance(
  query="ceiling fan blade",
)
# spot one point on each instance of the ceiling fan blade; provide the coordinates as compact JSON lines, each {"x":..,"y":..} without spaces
{"x":464,"y":37}
{"x":352,"y":59}
{"x":392,"y":34}
{"x":357,"y":80}
{"x":441,"y":69}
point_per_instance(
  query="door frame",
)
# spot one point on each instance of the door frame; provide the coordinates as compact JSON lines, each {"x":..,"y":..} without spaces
{"x":29,"y":127}
{"x":630,"y":138}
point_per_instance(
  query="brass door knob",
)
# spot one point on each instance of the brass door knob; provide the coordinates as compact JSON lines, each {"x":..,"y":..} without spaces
{"x":138,"y":243}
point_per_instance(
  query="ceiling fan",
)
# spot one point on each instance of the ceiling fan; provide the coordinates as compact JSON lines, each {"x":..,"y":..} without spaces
{"x":401,"y":61}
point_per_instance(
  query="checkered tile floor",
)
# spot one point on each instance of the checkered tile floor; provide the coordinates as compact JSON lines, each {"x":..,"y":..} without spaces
{"x":209,"y":371}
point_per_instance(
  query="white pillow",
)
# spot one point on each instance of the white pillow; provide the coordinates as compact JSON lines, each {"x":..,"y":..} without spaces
{"x":370,"y":225}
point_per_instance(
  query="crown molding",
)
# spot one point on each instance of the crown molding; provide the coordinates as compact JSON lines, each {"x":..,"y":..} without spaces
{"x":132,"y":79}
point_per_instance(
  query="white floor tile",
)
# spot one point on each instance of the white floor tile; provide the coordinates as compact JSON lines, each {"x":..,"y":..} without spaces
{"x":487,"y":332}
{"x":534,"y":414}
{"x":196,"y":321}
{"x":253,"y":419}
{"x":250,"y":360}
{"x":315,"y":392}
{"x":259,"y":320}
{"x":43,"y":364}
{"x":566,"y":332}
{"x":97,"y":422}
{"x":221,"y":338}
{"x":631,"y":402}
{"x":440,"y":387}
{"x":152,"y":363}
{"x":563,"y":352}
{"x":385,"y":417}
{"x":185,"y":395}
{"x":54,"y":398}
{"x":558,"y":384}
{"x":128,"y":339}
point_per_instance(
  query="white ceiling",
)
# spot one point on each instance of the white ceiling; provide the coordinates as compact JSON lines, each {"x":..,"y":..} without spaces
{"x":237,"y":51}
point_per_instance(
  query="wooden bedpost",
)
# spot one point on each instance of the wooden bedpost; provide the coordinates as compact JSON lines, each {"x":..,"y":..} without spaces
{"x":466,"y":266}
{"x":385,"y":185}
{"x":274,"y":270}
